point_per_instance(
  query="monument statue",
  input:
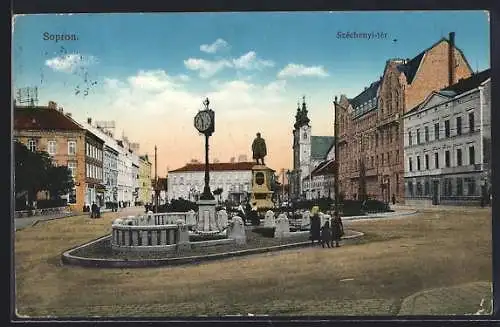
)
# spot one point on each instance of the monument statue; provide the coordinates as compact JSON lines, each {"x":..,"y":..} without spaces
{"x":259,"y":149}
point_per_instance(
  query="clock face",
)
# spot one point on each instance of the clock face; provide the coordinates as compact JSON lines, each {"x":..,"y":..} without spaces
{"x":202,"y":121}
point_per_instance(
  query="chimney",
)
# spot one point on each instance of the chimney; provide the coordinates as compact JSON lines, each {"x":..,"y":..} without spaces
{"x":451,"y":59}
{"x":52,"y":105}
{"x":89,"y":121}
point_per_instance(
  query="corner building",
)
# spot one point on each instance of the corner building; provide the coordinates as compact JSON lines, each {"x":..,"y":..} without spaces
{"x":370,"y":125}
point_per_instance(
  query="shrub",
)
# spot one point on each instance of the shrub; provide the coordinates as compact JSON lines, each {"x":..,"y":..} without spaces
{"x":264,"y":231}
{"x":201,"y":238}
{"x":21,"y":204}
{"x":375,"y":206}
{"x":351,"y":208}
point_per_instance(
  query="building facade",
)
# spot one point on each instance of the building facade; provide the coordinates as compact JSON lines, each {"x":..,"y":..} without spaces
{"x":50,"y":129}
{"x":308,"y":152}
{"x":320,"y":183}
{"x":448,"y":144}
{"x":370,"y":125}
{"x":145,"y":185}
{"x":94,"y":169}
{"x":235,"y":180}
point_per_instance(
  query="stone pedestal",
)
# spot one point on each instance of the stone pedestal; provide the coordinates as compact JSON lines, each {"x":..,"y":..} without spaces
{"x":206,"y":215}
{"x":261,"y":194}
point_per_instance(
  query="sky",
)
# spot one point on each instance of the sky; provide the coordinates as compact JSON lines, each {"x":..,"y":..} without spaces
{"x":151,"y":72}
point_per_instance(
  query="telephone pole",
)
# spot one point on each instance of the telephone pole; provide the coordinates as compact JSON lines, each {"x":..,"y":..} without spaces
{"x":156,"y":181}
{"x":336,"y":159}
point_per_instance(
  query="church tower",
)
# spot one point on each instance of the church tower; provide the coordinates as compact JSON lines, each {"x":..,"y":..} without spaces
{"x":301,"y":147}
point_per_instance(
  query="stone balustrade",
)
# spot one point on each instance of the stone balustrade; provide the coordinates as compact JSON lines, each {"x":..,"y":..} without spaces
{"x":134,"y":234}
{"x":168,"y":218}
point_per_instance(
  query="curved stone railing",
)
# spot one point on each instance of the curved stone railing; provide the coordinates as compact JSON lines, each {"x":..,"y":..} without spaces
{"x":167,"y":218}
{"x":134,"y":234}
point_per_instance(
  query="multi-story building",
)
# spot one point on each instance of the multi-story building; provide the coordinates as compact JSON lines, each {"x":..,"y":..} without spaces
{"x":308,"y":152}
{"x":125,"y":187}
{"x":370,"y":125}
{"x":320,"y":183}
{"x":235,"y":180}
{"x":145,"y":186}
{"x":135,"y":176}
{"x":447,"y":141}
{"x":50,"y":129}
{"x":110,"y":160}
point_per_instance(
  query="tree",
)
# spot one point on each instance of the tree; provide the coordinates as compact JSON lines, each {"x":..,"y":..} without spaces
{"x":362,"y":181}
{"x":59,"y":181}
{"x":30,"y":170}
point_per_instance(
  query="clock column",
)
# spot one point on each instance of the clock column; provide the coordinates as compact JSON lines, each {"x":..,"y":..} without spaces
{"x":207,"y":202}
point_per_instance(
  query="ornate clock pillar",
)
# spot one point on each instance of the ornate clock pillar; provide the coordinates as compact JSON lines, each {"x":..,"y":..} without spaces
{"x":204,"y":121}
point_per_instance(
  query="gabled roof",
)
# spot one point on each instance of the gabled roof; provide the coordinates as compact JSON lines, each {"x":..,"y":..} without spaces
{"x":326,"y":167}
{"x":320,"y":146}
{"x":220,"y":166}
{"x":43,"y":118}
{"x":462,"y":86}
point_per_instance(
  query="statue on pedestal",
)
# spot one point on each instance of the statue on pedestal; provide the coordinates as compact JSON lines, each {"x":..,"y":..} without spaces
{"x":259,"y":149}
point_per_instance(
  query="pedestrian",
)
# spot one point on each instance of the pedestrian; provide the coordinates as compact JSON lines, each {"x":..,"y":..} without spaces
{"x":393,"y":199}
{"x":337,"y":229}
{"x":315,"y":225}
{"x":93,"y":210}
{"x":326,"y":234}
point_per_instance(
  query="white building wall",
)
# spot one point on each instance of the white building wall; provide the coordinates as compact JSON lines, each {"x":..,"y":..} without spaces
{"x":186,"y":184}
{"x":466,"y":179}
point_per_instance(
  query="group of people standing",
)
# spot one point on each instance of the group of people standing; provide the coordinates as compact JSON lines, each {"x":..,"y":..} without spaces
{"x":330,"y":233}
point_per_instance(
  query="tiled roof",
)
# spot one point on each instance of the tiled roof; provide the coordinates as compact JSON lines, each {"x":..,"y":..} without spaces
{"x":470,"y":83}
{"x":326,"y":167}
{"x":320,"y":146}
{"x":42,"y":118}
{"x":366,"y":95}
{"x":410,"y":67}
{"x":220,"y":166}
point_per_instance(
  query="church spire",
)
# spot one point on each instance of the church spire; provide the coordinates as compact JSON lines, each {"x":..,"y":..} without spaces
{"x":305,"y":119}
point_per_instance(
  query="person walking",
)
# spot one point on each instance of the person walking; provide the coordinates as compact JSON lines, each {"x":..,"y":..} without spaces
{"x":337,"y":229}
{"x":315,"y":225}
{"x":326,"y":235}
{"x":93,"y":210}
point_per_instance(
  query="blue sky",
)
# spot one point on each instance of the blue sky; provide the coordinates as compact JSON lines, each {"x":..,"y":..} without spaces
{"x":124,"y":52}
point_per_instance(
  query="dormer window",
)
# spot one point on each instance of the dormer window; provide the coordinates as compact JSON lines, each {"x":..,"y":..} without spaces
{"x":305,"y":136}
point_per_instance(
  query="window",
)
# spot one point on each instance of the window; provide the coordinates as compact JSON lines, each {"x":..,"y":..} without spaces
{"x":471,"y":122}
{"x":32,"y":145}
{"x":397,"y":156}
{"x":436,"y":131}
{"x":87,"y":170}
{"x":459,"y":157}
{"x":447,"y":158}
{"x":426,"y":188}
{"x":409,"y":138}
{"x":419,"y":189}
{"x":426,"y":161}
{"x":410,"y":189}
{"x":459,"y":125}
{"x":51,"y":147}
{"x":426,"y":133}
{"x":72,"y":168}
{"x":447,"y":187}
{"x":436,"y":160}
{"x":410,"y":164}
{"x":460,"y":186}
{"x":87,"y":149}
{"x":471,"y":186}
{"x":446,"y":128}
{"x":472,"y":155}
{"x":418,"y":136}
{"x":72,"y":196}
{"x":71,"y":147}
{"x":418,"y":162}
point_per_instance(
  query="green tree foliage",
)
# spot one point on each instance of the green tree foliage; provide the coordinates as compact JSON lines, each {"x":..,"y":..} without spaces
{"x":35,"y":172}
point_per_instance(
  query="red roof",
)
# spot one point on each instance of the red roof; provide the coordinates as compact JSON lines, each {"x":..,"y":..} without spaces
{"x":42,"y":118}
{"x":220,"y":166}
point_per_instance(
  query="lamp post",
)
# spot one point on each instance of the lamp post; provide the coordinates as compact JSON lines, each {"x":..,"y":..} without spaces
{"x":336,"y":154}
{"x":156,"y":180}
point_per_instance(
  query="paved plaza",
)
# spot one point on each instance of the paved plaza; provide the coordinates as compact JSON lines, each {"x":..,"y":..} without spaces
{"x":433,"y":262}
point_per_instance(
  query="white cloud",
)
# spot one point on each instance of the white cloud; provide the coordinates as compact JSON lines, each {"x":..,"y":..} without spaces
{"x":206,"y":68}
{"x":214,"y":47}
{"x":157,"y":93}
{"x":250,"y":61}
{"x":69,"y":63}
{"x":296,"y":70}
